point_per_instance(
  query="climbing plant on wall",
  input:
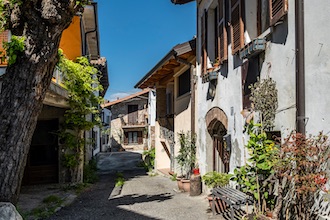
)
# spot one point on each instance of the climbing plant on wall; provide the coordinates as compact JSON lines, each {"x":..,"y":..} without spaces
{"x":264,"y":98}
{"x":81,"y":82}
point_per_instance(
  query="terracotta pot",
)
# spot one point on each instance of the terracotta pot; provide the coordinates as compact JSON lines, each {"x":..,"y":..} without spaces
{"x":179,"y":182}
{"x":186,"y":185}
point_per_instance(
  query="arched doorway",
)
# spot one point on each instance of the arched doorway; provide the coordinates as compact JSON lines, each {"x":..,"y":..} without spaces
{"x":217,"y":125}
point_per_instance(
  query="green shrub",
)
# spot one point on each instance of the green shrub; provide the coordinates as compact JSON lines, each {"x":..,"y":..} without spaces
{"x":120,"y":180}
{"x":214,"y":179}
{"x":149,"y":159}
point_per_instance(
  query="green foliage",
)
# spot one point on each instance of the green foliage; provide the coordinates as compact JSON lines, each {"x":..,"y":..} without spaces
{"x":90,"y":175}
{"x":14,"y":47}
{"x":214,"y":179}
{"x":120,"y":180}
{"x":81,"y":82}
{"x":46,"y":209}
{"x":260,"y":165}
{"x":174,"y":176}
{"x":264,"y":98}
{"x":302,"y":171}
{"x":149,"y":159}
{"x":187,"y":153}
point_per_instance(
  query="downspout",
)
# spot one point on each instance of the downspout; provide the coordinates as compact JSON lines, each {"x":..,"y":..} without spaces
{"x":92,"y":31}
{"x":300,"y":67}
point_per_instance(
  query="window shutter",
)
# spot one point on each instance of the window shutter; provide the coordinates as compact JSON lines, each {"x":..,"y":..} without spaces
{"x":3,"y":38}
{"x":140,"y":137}
{"x":222,"y":33}
{"x":277,"y":9}
{"x":237,"y":26}
{"x":204,"y":42}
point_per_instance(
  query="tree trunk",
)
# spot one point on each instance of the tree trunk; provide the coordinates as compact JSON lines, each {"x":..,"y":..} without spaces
{"x":25,"y":84}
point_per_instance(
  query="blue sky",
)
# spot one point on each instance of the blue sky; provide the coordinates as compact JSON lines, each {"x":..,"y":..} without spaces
{"x":136,"y":34}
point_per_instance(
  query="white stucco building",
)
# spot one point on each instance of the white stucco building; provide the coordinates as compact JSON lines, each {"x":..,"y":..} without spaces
{"x":280,"y":39}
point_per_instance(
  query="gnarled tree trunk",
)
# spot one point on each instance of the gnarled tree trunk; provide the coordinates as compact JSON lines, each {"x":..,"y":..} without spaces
{"x":26,"y":82}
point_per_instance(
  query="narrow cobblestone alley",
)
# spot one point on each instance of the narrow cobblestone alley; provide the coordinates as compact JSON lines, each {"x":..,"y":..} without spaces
{"x":142,"y":197}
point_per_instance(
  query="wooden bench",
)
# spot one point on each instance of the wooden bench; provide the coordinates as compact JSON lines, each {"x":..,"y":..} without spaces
{"x":232,"y":197}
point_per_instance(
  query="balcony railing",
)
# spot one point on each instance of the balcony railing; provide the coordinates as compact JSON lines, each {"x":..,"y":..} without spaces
{"x":134,"y":119}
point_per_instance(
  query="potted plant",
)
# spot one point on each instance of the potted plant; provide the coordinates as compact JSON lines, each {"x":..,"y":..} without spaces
{"x":215,"y":179}
{"x":186,"y":157}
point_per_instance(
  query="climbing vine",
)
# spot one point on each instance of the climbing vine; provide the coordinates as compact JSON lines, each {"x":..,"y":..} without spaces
{"x":81,"y":82}
{"x":264,"y":98}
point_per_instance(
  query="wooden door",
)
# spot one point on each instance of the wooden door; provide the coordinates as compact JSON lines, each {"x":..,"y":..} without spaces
{"x":220,"y":156}
{"x":42,"y":162}
{"x":132,"y":114}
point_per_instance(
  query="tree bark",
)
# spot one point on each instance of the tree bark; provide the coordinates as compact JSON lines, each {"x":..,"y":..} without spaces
{"x":26,"y":82}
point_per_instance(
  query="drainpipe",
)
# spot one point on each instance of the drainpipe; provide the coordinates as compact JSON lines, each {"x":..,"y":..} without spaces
{"x":300,"y":67}
{"x":92,"y":31}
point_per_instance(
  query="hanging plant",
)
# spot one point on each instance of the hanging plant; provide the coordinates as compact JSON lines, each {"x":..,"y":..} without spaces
{"x":264,"y":98}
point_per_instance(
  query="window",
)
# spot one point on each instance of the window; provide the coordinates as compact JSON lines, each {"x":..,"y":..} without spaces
{"x":277,"y":8}
{"x":133,"y":137}
{"x":184,"y":83}
{"x":237,"y":26}
{"x":169,"y":103}
{"x":263,"y":16}
{"x":221,"y":33}
{"x":3,"y":38}
{"x":132,"y":114}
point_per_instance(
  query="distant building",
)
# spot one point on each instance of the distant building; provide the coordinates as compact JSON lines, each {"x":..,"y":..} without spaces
{"x":173,"y":78}
{"x":132,"y":121}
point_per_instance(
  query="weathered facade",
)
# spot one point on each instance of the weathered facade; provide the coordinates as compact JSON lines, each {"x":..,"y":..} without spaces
{"x":172,"y":78}
{"x":130,"y":122}
{"x":278,"y":39}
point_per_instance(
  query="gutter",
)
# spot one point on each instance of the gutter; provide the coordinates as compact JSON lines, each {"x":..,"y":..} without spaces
{"x":300,"y":67}
{"x":94,"y":4}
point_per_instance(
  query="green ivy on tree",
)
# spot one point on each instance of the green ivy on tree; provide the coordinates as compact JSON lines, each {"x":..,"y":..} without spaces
{"x":81,"y":82}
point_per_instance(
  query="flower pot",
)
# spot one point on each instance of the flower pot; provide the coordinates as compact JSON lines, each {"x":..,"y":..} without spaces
{"x":196,"y":171}
{"x":185,"y":185}
{"x":179,"y":182}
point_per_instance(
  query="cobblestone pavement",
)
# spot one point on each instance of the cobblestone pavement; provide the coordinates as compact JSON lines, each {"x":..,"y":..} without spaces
{"x":142,"y":197}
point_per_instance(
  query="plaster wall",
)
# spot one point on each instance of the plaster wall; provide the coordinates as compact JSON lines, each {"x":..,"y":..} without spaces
{"x":226,"y":93}
{"x":317,"y":66}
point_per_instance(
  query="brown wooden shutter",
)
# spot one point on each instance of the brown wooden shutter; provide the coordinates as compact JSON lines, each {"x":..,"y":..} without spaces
{"x":245,"y":97}
{"x":277,"y":9}
{"x":140,"y":137}
{"x":3,"y":38}
{"x":237,"y":26}
{"x":204,"y":42}
{"x":222,"y":33}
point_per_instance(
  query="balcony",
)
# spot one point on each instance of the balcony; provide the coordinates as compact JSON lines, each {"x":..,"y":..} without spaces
{"x":137,"y":119}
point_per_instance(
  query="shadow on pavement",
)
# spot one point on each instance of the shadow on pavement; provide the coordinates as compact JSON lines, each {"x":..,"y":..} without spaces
{"x":94,"y":203}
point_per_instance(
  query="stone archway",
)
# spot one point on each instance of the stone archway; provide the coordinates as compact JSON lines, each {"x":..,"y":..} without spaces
{"x":217,"y":126}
